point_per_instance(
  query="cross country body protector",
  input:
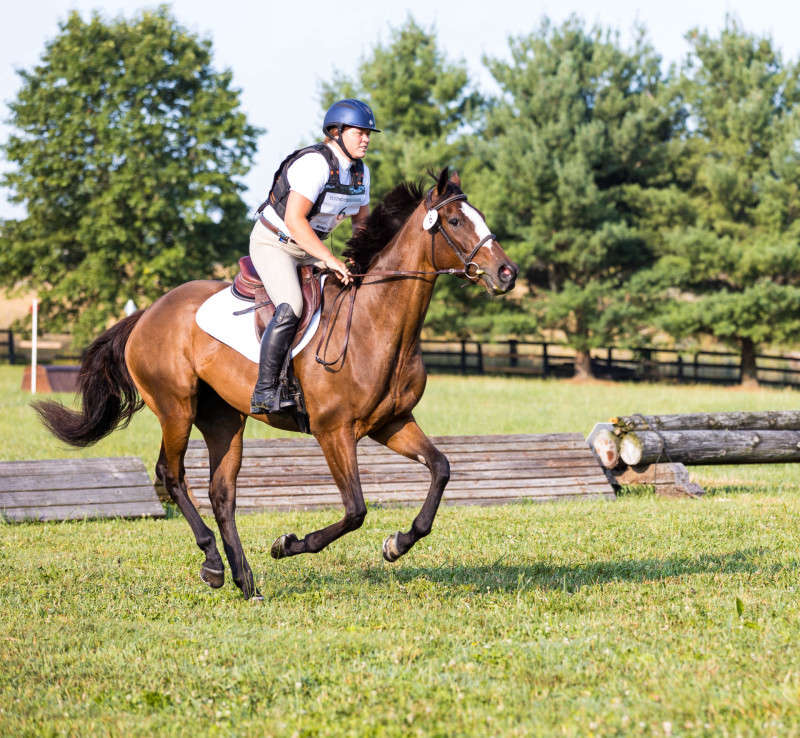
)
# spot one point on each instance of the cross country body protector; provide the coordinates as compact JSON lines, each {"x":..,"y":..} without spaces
{"x":334,"y":200}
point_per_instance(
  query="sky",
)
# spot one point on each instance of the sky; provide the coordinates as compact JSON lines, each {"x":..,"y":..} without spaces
{"x":280,"y":52}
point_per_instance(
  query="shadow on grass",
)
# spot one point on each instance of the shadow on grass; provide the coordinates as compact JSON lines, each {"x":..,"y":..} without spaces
{"x":520,"y":578}
{"x":571,"y":578}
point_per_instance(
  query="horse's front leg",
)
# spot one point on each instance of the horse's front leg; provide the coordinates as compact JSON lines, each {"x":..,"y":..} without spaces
{"x":339,"y":447}
{"x":405,"y":436}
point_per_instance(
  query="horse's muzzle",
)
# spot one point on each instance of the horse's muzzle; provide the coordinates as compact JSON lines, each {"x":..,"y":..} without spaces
{"x":505,"y":279}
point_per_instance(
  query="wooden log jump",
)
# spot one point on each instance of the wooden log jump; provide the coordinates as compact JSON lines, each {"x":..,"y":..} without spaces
{"x":292,"y":474}
{"x":636,"y":441}
{"x":73,"y":489}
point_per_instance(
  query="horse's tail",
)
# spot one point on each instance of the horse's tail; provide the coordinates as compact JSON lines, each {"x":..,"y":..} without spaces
{"x":108,"y":395}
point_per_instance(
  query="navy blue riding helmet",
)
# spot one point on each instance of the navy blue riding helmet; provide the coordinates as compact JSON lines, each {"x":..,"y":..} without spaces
{"x":348,"y":112}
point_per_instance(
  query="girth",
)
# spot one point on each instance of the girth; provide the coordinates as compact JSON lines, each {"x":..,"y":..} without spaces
{"x":247,"y":285}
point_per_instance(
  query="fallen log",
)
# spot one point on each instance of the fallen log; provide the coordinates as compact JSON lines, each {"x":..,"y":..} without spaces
{"x":605,"y":444}
{"x":768,"y":420}
{"x":710,"y":447}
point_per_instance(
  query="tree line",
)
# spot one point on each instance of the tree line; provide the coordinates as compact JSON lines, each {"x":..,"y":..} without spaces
{"x":641,"y":203}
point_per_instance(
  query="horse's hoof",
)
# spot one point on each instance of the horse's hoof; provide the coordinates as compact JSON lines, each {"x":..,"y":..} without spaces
{"x":214,"y":578}
{"x":390,"y":550}
{"x":257,"y":597}
{"x":280,"y":548}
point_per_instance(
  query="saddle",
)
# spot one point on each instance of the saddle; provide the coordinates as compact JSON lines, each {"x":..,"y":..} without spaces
{"x":247,"y":285}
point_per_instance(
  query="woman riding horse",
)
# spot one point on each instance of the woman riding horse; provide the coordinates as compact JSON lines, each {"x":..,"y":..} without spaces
{"x":312,"y":191}
{"x":162,"y":358}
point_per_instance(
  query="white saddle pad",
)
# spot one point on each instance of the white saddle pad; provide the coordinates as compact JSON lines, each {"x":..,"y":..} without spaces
{"x":216,"y":317}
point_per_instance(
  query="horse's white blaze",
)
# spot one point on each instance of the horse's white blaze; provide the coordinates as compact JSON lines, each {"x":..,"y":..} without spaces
{"x":480,"y":224}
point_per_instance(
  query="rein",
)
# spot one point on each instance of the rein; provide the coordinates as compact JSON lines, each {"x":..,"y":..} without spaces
{"x":432,"y":223}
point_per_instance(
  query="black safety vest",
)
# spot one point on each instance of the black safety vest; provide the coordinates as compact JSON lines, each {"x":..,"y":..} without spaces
{"x":279,"y":192}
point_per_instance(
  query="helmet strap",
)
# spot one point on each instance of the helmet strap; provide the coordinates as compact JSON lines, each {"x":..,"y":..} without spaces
{"x":339,"y":141}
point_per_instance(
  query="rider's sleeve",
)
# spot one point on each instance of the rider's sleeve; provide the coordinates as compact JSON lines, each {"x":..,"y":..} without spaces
{"x":308,"y":175}
{"x":365,"y":200}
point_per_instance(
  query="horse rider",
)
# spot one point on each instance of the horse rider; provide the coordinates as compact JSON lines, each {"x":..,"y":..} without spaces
{"x":314,"y":189}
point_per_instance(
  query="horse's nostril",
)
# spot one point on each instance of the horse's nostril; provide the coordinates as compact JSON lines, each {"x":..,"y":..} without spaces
{"x":506,"y":273}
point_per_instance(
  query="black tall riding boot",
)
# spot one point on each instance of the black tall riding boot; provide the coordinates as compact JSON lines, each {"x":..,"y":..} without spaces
{"x":275,"y":344}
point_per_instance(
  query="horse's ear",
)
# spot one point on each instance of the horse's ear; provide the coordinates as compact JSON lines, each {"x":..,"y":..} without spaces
{"x":455,"y":179}
{"x":441,"y":185}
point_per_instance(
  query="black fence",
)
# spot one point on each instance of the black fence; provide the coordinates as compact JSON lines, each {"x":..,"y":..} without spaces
{"x":17,"y":350}
{"x":7,"y":350}
{"x":541,"y":359}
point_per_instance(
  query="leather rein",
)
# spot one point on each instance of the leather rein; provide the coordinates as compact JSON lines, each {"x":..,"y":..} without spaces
{"x":431,"y":223}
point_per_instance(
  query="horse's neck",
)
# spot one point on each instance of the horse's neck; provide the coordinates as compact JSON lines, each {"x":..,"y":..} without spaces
{"x":403,"y":300}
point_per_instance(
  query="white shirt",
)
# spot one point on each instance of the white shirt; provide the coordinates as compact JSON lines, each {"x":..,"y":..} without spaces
{"x":308,"y":176}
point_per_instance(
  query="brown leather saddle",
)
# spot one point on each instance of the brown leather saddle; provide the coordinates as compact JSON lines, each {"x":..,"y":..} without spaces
{"x":247,"y":286}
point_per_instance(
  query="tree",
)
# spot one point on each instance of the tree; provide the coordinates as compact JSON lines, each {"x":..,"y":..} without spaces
{"x":580,"y":146}
{"x":127,"y":145}
{"x":738,"y":261}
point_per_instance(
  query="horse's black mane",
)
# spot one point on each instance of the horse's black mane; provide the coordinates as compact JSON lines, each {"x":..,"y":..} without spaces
{"x":390,"y":215}
{"x":383,"y":223}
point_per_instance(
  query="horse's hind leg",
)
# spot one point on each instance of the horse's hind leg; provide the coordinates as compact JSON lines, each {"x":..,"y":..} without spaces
{"x":212,"y":572}
{"x":339,"y":448}
{"x":175,"y":417}
{"x":405,"y":436}
{"x":223,"y":427}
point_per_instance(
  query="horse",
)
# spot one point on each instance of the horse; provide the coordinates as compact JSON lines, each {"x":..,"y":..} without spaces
{"x":159,"y":357}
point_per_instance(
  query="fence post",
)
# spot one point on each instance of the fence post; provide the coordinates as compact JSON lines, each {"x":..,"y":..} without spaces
{"x":12,"y":359}
{"x":696,"y":365}
{"x":609,"y":361}
{"x":513,"y":356}
{"x":480,"y":356}
{"x":680,"y":367}
{"x":463,"y":356}
{"x":545,"y":362}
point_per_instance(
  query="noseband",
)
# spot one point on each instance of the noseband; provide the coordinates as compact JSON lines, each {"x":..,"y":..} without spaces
{"x":433,"y":224}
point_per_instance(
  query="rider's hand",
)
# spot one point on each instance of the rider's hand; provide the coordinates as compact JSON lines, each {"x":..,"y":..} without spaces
{"x":340,"y":269}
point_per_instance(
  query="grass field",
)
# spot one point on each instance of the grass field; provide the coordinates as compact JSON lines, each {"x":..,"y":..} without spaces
{"x":646,"y":616}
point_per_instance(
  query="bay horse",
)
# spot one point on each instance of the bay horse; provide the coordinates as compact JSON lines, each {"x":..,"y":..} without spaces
{"x":161,"y":358}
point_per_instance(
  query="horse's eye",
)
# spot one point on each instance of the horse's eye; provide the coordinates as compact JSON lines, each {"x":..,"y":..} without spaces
{"x":453,"y":222}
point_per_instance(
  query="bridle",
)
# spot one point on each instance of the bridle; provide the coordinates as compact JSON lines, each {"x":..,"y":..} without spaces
{"x":431,"y":223}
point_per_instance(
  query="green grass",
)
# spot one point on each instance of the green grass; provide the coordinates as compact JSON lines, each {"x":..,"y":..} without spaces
{"x":647,"y":616}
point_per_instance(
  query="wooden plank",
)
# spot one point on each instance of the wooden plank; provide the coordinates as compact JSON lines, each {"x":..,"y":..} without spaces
{"x":64,"y":489}
{"x":58,"y":497}
{"x":393,"y":487}
{"x":272,"y":448}
{"x":396,"y":479}
{"x":57,"y":467}
{"x":71,"y":480}
{"x":330,"y":502}
{"x":82,"y":512}
{"x":317,"y":465}
{"x":469,"y":469}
